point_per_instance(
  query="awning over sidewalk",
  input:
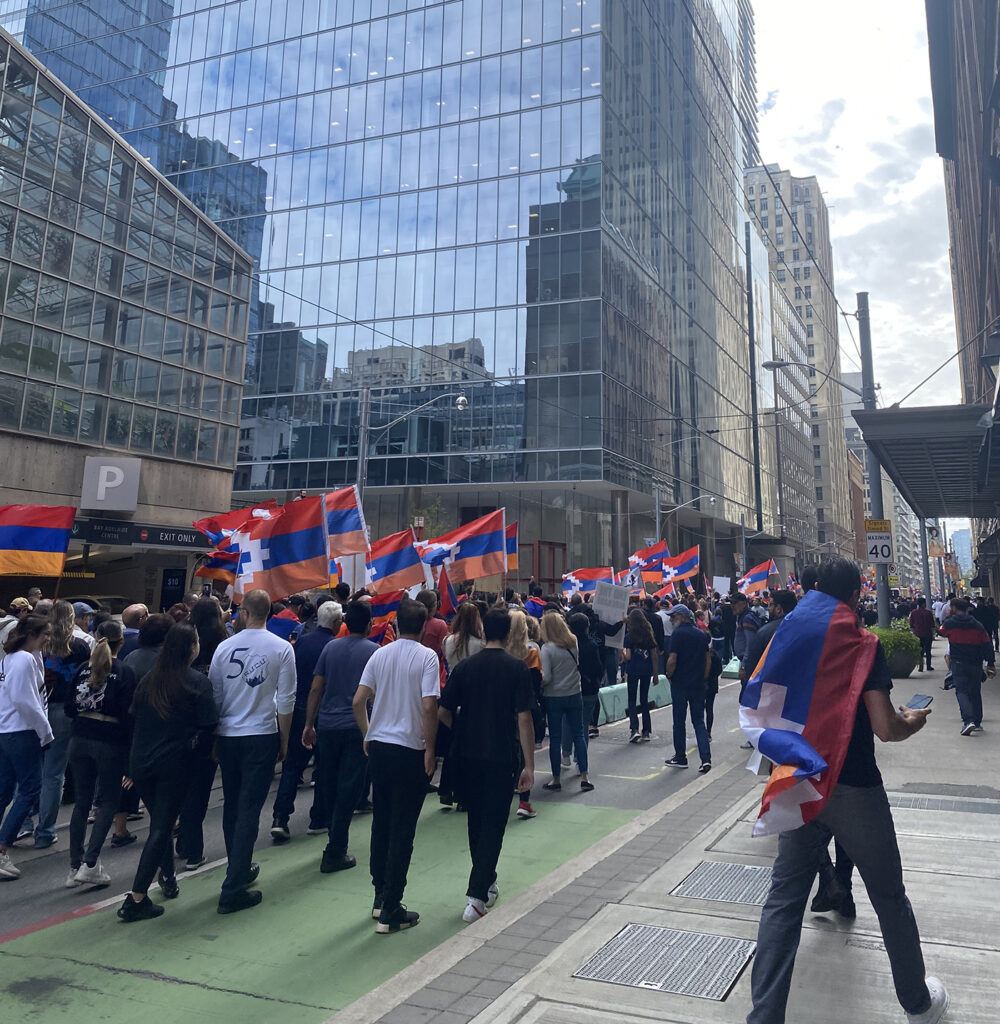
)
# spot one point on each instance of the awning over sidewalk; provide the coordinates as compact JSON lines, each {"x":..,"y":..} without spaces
{"x":943,"y":462}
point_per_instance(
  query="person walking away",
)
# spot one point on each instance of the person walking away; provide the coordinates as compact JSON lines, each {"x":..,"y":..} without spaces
{"x":63,"y":655}
{"x":18,"y":610}
{"x":922,"y":626}
{"x":132,"y":619}
{"x":747,"y":623}
{"x":857,"y":813}
{"x":494,"y":738}
{"x":520,"y":645}
{"x":308,"y":649}
{"x":253,"y":683}
{"x":402,"y":681}
{"x":331,"y":730}
{"x":83,"y":620}
{"x":591,"y":673}
{"x":24,"y":730}
{"x":969,"y":646}
{"x":994,"y":627}
{"x":98,"y":707}
{"x":688,"y":666}
{"x":174,"y":718}
{"x":640,"y":664}
{"x":465,"y":639}
{"x":561,"y":695}
{"x":711,"y":689}
{"x":152,"y":634}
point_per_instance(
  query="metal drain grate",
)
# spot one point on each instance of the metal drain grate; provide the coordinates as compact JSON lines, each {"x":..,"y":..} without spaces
{"x":666,"y":960}
{"x":944,"y":803}
{"x":727,"y":883}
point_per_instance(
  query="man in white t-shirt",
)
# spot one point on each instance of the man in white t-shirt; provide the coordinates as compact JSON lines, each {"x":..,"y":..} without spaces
{"x":253,"y":682}
{"x":402,"y":679}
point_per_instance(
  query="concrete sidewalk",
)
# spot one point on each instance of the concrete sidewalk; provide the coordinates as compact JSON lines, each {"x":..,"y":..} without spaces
{"x":520,"y":963}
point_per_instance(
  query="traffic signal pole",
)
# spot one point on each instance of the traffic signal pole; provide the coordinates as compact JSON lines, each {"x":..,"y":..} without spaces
{"x":870,"y":403}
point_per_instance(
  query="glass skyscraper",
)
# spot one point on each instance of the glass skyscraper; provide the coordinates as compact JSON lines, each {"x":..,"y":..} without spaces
{"x":535,"y":202}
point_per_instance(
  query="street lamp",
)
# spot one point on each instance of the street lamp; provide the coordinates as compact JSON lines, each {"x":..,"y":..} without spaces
{"x":364,"y":426}
{"x":780,"y":364}
{"x":676,"y":508}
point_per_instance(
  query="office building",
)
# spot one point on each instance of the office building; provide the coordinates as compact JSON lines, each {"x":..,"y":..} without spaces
{"x":559,"y":184}
{"x":961,"y":543}
{"x":122,"y":331}
{"x":792,"y":215}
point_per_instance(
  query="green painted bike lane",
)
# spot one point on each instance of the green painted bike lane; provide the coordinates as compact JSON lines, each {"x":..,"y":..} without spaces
{"x":308,"y":950}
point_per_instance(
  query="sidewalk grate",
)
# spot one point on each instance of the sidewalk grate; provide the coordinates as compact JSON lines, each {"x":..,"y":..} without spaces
{"x":726,"y":883}
{"x":944,"y":803}
{"x":667,"y":960}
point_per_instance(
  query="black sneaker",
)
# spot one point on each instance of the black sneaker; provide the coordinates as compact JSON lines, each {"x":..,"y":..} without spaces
{"x":675,"y":762}
{"x":125,"y":840}
{"x":279,"y":830}
{"x":336,"y":860}
{"x":169,"y":887}
{"x":847,"y":908}
{"x":252,"y":874}
{"x":377,"y":907}
{"x":144,"y":910}
{"x":446,"y":798}
{"x":194,"y":863}
{"x":241,"y":901}
{"x":365,"y":808}
{"x":704,"y":767}
{"x":397,"y":920}
{"x":317,"y":830}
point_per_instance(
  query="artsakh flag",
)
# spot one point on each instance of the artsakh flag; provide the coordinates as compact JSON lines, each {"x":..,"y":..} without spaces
{"x":34,"y":539}
{"x":394,"y":564}
{"x":284,"y":551}
{"x":756,"y":579}
{"x":511,"y":536}
{"x":345,"y":523}
{"x":474,"y":550}
{"x":221,"y":565}
{"x":683,"y":566}
{"x":666,"y":591}
{"x":651,"y":557}
{"x":221,"y":527}
{"x":799,"y":707}
{"x":586,"y":580}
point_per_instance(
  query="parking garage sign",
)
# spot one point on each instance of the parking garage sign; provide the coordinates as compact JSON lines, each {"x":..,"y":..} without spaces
{"x":878,"y":541}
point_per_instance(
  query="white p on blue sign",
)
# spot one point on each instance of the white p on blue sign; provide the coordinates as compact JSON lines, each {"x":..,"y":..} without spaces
{"x":110,"y":484}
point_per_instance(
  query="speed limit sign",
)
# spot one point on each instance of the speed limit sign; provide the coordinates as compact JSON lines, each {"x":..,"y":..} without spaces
{"x":878,"y":541}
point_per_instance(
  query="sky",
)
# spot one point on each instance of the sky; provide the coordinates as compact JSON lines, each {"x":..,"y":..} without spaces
{"x":844,"y":94}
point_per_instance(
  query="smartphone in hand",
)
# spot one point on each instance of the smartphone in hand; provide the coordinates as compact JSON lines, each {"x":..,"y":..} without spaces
{"x":919,"y":701}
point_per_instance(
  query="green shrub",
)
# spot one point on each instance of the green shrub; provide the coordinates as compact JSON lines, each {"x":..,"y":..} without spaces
{"x":897,"y":639}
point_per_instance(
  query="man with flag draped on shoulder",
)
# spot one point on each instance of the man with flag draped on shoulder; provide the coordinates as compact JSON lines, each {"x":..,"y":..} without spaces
{"x":813,"y":707}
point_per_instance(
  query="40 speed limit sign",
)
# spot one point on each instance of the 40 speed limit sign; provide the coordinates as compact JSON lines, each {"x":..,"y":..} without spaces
{"x":878,"y":541}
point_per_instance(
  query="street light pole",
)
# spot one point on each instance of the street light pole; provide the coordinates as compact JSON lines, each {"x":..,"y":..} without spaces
{"x":870,"y":403}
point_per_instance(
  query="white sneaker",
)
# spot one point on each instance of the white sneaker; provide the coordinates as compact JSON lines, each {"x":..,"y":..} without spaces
{"x":492,"y":895}
{"x":565,"y":760}
{"x":475,"y":909}
{"x":8,"y":869}
{"x":71,"y":880}
{"x":93,"y":876}
{"x":633,"y":736}
{"x":938,"y":1007}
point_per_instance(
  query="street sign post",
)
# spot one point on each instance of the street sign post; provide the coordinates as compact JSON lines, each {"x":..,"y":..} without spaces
{"x":878,"y":541}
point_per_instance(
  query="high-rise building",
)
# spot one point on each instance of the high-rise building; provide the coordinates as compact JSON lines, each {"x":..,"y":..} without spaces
{"x":122,"y":335}
{"x":552,"y":188}
{"x":748,"y":85}
{"x":792,"y":215}
{"x":961,"y":542}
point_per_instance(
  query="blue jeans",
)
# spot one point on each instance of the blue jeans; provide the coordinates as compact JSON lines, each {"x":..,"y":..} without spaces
{"x":691,"y":698}
{"x":21,"y":769}
{"x":969,"y":691}
{"x":590,"y":702}
{"x":572,"y":708}
{"x":247,"y":764}
{"x":53,"y":773}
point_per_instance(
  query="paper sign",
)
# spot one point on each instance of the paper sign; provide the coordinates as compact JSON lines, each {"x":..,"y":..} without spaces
{"x":721,"y":585}
{"x":610,"y":603}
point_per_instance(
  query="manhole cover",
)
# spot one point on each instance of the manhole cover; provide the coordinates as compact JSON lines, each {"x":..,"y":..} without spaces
{"x":666,"y":960}
{"x":727,"y":883}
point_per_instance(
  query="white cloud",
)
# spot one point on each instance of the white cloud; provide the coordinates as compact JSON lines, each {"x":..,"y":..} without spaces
{"x":845,"y":95}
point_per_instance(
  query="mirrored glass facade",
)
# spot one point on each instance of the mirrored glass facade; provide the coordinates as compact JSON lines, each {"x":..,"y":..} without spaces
{"x":537,"y":202}
{"x":124,"y":312}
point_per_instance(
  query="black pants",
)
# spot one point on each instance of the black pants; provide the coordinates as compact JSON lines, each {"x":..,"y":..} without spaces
{"x":442,"y":745}
{"x":97,"y":767}
{"x":399,"y":786}
{"x":925,"y":648}
{"x":342,"y":767}
{"x":710,"y":696}
{"x":247,"y":764}
{"x":163,"y":792}
{"x":190,"y":832}
{"x":486,"y":790}
{"x":291,"y":772}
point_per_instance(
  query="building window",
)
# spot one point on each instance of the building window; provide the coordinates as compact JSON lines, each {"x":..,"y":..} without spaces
{"x":763,"y":205}
{"x":781,"y":274}
{"x":781,"y":256}
{"x":809,"y":330}
{"x":795,"y":273}
{"x":809,"y":217}
{"x":795,"y":217}
{"x":814,"y":428}
{"x":795,"y":254}
{"x":821,"y":536}
{"x":750,"y":190}
{"x":798,"y":310}
{"x":780,"y":238}
{"x":812,"y":371}
{"x":808,"y":272}
{"x":811,"y":349}
{"x":809,"y":312}
{"x":777,"y":186}
{"x":798,"y":292}
{"x":763,"y":223}
{"x":809,"y":291}
{"x":818,"y":472}
{"x":812,"y":389}
{"x":763,"y":190}
{"x":814,"y":412}
{"x":779,"y":220}
{"x":753,"y":206}
{"x":819,"y":493}
{"x":819,"y":515}
{"x":816,"y":449}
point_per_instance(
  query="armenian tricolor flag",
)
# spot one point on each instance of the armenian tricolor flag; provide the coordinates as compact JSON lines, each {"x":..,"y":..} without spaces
{"x":472,"y":551}
{"x":394,"y":564}
{"x":345,"y":522}
{"x":756,"y":579}
{"x":34,"y":539}
{"x":336,"y":572}
{"x":449,"y":599}
{"x":511,"y":537}
{"x":384,"y":608}
{"x":799,"y":707}
{"x":221,"y":565}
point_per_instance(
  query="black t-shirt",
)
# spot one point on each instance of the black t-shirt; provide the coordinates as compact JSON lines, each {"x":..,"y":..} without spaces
{"x":60,"y":671}
{"x":491,"y":688}
{"x":179,"y":735}
{"x":690,"y":644}
{"x":110,"y":701}
{"x":859,"y":767}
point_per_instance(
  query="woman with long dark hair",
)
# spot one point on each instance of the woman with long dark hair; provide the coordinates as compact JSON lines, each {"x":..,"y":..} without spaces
{"x":175,"y":718}
{"x":98,"y":706}
{"x":640,"y":664}
{"x":24,"y":728}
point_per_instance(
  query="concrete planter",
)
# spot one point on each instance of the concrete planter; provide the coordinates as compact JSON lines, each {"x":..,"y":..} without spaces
{"x":901,"y":664}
